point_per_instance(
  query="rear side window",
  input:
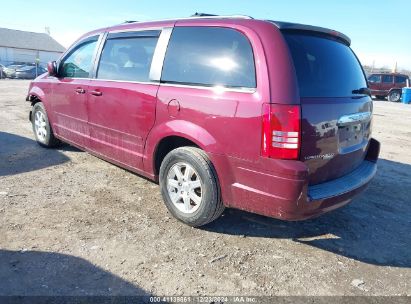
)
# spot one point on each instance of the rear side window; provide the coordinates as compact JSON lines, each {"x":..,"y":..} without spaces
{"x":78,"y":64}
{"x":387,"y":78}
{"x":127,"y":58}
{"x":400,"y":79}
{"x":209,"y":56}
{"x":374,"y":79}
{"x":324,"y":67}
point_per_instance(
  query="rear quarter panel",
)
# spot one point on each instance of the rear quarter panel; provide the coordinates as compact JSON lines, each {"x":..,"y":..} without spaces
{"x":227,"y":124}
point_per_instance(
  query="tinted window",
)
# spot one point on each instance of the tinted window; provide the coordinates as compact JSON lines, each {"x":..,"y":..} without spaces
{"x":127,"y":58}
{"x":400,"y":79}
{"x":79,"y":63}
{"x":324,"y":67}
{"x":374,"y":78}
{"x":209,"y":56}
{"x":387,"y":78}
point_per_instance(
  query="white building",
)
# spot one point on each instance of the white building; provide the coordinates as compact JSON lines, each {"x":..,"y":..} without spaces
{"x":27,"y":47}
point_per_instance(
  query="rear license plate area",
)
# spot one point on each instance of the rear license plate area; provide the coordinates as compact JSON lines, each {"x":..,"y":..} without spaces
{"x":352,"y":137}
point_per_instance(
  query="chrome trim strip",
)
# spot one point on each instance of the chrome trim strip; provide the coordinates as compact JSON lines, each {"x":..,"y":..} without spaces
{"x":217,"y":89}
{"x":99,"y":49}
{"x":159,"y":54}
{"x":125,"y":81}
{"x":354,"y":118}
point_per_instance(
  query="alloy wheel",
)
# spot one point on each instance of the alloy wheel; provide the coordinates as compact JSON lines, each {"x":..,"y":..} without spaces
{"x":184,"y":187}
{"x":40,"y":126}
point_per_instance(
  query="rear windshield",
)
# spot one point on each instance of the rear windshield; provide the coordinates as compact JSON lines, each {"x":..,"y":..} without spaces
{"x":324,"y":67}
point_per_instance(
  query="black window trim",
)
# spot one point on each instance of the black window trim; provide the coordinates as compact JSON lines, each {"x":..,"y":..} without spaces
{"x":208,"y":86}
{"x":97,"y":38}
{"x":127,"y":34}
{"x":158,"y":60}
{"x":133,"y":34}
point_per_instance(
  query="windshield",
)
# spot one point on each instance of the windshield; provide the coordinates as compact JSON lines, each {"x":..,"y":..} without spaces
{"x":324,"y":67}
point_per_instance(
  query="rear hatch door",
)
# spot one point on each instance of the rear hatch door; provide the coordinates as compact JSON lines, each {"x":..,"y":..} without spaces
{"x":336,"y":110}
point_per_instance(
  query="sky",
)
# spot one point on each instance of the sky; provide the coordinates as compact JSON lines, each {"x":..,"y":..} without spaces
{"x":380,"y":30}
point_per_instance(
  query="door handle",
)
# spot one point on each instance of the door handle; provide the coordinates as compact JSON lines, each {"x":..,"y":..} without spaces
{"x":80,"y":91}
{"x":96,"y":93}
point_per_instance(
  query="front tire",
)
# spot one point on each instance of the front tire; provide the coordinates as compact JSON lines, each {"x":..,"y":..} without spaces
{"x":394,"y":96}
{"x":42,"y":128}
{"x":189,"y":186}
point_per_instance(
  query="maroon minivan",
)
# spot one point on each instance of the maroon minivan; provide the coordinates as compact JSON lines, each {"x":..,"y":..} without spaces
{"x":223,"y":111}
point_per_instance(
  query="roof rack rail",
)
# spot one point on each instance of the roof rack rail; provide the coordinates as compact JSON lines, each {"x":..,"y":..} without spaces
{"x":205,"y":15}
{"x":196,"y":16}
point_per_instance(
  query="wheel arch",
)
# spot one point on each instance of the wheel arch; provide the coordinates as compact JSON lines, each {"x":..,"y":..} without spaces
{"x":35,"y":95}
{"x":395,"y":89}
{"x":173,"y":134}
{"x":166,"y":145}
{"x":33,"y":99}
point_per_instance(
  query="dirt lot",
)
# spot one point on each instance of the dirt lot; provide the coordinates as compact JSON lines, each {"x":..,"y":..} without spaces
{"x":71,"y":224}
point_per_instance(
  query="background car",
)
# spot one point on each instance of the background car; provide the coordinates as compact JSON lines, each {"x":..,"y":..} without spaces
{"x":29,"y":72}
{"x":389,"y":85}
{"x":1,"y":71}
{"x":23,"y":71}
{"x":10,"y":70}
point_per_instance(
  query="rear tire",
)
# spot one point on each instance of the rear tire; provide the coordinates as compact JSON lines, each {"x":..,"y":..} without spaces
{"x":189,"y":186}
{"x":41,"y":127}
{"x":394,"y":96}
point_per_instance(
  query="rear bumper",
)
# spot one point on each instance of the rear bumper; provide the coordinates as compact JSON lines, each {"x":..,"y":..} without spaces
{"x":345,"y":184}
{"x":285,"y":193}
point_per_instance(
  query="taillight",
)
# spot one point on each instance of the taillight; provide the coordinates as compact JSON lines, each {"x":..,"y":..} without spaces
{"x":281,"y":131}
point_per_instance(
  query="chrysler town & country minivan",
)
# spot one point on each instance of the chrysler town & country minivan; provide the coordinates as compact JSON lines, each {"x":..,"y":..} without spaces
{"x":222,"y":111}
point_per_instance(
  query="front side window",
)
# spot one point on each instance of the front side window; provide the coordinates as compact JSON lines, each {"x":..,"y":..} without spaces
{"x":374,"y":79}
{"x":78,"y":64}
{"x":387,"y":79}
{"x":127,"y":58}
{"x":209,"y":56}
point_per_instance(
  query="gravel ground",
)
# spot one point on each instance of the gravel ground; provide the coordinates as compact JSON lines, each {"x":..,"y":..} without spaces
{"x":72,"y":224}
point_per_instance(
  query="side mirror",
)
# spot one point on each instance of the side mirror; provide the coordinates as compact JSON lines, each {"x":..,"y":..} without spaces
{"x":52,"y":68}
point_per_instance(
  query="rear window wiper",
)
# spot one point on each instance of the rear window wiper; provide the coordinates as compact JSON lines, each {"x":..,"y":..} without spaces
{"x":362,"y":91}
